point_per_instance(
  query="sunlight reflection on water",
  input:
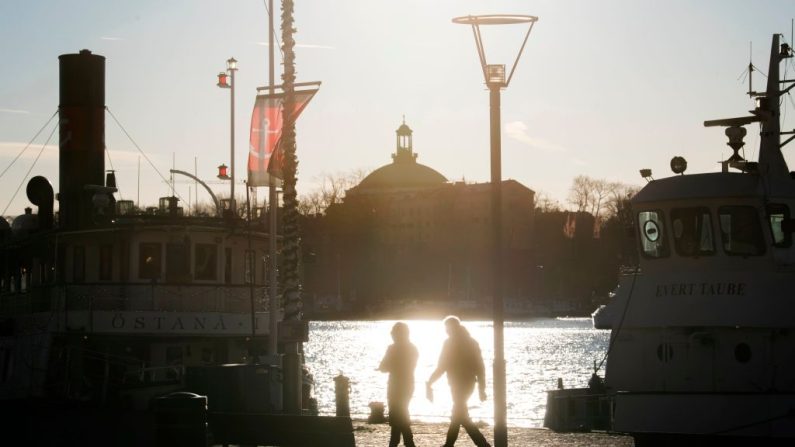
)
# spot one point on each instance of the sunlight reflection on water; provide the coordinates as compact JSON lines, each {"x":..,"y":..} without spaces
{"x":537,"y":352}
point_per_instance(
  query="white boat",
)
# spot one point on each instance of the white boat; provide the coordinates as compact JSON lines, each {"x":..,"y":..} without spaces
{"x":702,"y":346}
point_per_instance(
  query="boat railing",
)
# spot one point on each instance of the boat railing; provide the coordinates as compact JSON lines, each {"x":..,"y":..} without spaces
{"x":135,"y":297}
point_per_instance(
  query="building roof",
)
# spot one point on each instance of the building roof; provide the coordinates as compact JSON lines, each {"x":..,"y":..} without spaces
{"x":404,"y":171}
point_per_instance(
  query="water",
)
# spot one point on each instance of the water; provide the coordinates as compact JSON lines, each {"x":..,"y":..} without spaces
{"x":537,"y":353}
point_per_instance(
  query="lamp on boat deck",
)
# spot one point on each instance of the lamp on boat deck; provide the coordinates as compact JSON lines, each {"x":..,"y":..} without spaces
{"x":494,"y":76}
{"x":222,"y":172}
{"x":223,"y":80}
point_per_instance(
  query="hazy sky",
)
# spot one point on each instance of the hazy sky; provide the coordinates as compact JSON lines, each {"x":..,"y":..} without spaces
{"x":604,"y":88}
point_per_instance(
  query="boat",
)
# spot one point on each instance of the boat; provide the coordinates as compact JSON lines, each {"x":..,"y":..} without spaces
{"x":105,"y":307}
{"x":702,"y":343}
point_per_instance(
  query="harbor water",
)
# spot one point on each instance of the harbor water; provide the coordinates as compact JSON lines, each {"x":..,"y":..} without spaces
{"x":537,"y":353}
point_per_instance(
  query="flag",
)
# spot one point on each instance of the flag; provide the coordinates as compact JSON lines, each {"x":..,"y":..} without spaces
{"x":264,"y":157}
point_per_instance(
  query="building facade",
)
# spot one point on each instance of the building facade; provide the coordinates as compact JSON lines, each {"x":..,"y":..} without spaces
{"x":407,"y":240}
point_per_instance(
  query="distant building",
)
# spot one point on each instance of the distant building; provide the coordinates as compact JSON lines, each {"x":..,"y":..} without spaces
{"x":405,"y":234}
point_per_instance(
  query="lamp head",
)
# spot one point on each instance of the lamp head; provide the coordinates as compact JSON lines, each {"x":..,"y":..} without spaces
{"x":231,"y":64}
{"x":223,"y":172}
{"x":223,"y":80}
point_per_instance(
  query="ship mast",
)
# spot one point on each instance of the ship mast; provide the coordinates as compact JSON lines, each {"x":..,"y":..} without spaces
{"x":767,"y":112}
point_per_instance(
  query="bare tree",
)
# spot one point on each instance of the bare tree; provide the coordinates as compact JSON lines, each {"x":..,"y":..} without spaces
{"x":545,"y":203}
{"x":331,"y":190}
{"x":601,"y":198}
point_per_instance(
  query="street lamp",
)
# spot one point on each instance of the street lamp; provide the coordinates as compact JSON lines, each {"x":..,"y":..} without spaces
{"x":494,"y":76}
{"x":228,"y":81}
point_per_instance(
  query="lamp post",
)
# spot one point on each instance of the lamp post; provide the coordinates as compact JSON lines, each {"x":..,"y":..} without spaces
{"x":494,"y":76}
{"x":228,"y":81}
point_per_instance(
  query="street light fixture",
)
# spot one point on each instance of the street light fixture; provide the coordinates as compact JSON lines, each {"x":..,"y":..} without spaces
{"x":494,"y":76}
{"x":228,"y":81}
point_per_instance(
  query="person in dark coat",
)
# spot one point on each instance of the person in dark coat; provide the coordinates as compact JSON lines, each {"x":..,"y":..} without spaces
{"x":463,"y":363}
{"x":399,"y":361}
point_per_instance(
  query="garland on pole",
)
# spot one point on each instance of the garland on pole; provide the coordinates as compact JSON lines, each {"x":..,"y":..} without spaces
{"x":290,"y":251}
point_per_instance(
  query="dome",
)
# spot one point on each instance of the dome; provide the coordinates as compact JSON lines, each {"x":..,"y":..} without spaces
{"x":404,"y":170}
{"x":402,"y":174}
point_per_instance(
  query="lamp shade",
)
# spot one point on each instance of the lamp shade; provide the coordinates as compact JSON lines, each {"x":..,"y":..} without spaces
{"x":223,"y":80}
{"x":223,"y":173}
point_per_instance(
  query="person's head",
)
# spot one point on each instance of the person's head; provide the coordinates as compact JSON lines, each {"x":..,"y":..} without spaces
{"x":452,"y":325}
{"x":400,"y":332}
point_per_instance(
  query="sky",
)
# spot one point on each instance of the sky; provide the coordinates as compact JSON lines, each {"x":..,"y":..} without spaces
{"x":603,"y":89}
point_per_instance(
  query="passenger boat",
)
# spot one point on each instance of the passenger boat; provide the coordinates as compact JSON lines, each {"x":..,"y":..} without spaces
{"x":703,"y":334}
{"x":106,"y":306}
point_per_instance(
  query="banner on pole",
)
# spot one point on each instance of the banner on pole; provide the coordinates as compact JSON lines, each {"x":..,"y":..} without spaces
{"x":264,"y":156}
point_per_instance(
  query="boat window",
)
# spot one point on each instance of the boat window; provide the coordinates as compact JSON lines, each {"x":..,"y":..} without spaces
{"x":177,"y":269}
{"x":206,"y":261}
{"x":105,"y":262}
{"x":79,"y":263}
{"x":692,"y":231}
{"x":777,"y":215}
{"x":149,"y":260}
{"x":250,"y":264}
{"x":741,"y":231}
{"x":228,"y":265}
{"x":652,"y":234}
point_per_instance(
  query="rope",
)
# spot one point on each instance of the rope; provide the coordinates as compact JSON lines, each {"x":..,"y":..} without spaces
{"x":28,"y":145}
{"x":614,"y":337}
{"x":139,"y":150}
{"x":30,"y":169}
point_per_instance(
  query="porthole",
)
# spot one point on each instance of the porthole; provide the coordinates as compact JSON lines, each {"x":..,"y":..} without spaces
{"x":665,"y":352}
{"x":742,"y":353}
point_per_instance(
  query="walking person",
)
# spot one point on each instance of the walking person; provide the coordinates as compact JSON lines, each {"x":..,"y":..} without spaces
{"x":463,"y":363}
{"x":399,"y":361}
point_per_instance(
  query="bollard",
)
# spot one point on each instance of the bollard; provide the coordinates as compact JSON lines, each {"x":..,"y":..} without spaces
{"x":376,"y":413}
{"x":181,"y":420}
{"x":342,"y":388}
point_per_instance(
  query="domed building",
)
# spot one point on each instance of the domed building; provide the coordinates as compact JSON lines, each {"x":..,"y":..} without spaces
{"x":405,"y":238}
{"x":403,"y":173}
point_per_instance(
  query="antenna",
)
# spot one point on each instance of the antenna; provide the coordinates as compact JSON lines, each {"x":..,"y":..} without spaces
{"x":750,"y":69}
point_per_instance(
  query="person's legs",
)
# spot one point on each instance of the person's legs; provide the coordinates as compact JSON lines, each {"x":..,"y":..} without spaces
{"x":474,"y":433}
{"x":394,"y":436}
{"x":459,"y":410}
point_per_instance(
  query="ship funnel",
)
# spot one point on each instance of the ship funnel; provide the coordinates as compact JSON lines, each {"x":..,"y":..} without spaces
{"x":40,"y":193}
{"x":82,"y":136}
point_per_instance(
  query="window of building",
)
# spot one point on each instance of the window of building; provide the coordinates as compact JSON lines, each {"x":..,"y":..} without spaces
{"x":652,"y":235}
{"x":741,"y":231}
{"x":206,"y":261}
{"x":777,"y":215}
{"x":105,"y":262}
{"x":692,"y":231}
{"x":78,"y":263}
{"x":149,"y":260}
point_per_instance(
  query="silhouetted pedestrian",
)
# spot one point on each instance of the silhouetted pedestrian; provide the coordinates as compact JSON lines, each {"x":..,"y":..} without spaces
{"x":399,"y":361}
{"x":463,"y":363}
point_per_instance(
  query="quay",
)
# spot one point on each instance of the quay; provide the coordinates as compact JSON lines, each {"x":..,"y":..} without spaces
{"x":433,"y":434}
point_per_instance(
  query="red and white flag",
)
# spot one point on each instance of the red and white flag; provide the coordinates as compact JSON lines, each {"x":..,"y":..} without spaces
{"x":264,"y":157}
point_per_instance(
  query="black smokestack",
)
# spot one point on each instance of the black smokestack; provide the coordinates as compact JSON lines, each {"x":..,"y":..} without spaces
{"x":82,"y":135}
